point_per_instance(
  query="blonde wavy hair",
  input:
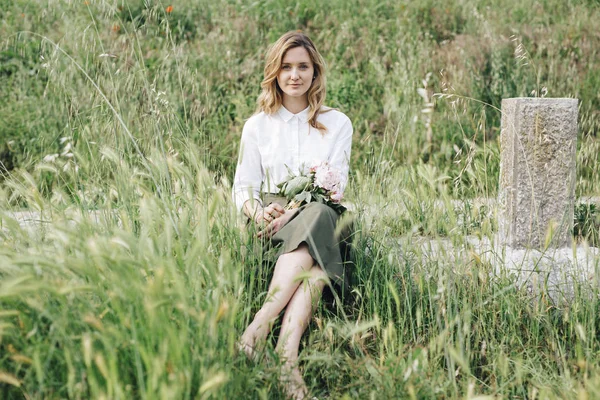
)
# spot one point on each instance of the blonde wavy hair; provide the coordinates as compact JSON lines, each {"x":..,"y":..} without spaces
{"x":271,"y":97}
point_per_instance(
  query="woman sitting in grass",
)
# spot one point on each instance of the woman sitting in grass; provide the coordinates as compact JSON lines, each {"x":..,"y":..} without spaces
{"x":292,"y":130}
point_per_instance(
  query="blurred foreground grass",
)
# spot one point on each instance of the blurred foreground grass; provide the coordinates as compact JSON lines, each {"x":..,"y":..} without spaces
{"x":147,"y":299}
{"x":143,"y":278}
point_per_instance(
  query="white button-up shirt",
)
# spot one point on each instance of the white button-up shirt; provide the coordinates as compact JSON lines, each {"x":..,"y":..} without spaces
{"x":272,"y":143}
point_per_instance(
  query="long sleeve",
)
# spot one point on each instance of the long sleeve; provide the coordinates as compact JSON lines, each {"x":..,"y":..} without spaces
{"x":340,"y":155}
{"x":249,"y":173}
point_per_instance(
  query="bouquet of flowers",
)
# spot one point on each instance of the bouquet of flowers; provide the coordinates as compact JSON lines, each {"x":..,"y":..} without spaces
{"x":320,"y":183}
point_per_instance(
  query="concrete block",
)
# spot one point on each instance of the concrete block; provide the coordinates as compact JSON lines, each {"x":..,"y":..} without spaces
{"x":537,"y":172}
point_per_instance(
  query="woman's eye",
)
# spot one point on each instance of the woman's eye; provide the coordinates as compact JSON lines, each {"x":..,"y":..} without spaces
{"x":285,"y":67}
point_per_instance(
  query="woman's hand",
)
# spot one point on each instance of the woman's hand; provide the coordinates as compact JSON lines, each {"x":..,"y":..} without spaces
{"x":269,"y":213}
{"x":278,"y":223}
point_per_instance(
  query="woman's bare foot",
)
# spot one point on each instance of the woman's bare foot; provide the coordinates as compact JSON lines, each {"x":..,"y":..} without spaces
{"x":293,"y":383}
{"x":253,"y":340}
{"x":248,"y":342}
{"x":246,"y":348}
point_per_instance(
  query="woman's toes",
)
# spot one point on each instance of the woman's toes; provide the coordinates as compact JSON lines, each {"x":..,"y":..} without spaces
{"x":293,"y":384}
{"x":246,"y":349}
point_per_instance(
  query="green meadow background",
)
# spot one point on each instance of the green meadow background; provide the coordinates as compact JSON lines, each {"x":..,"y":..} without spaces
{"x":119,"y":130}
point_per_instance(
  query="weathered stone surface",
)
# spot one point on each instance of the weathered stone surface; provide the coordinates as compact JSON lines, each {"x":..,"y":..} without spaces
{"x":560,"y":274}
{"x":537,"y":172}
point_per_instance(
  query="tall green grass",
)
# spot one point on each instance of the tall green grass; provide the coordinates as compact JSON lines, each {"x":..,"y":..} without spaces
{"x":197,"y":70}
{"x":120,"y":127}
{"x":147,"y":300}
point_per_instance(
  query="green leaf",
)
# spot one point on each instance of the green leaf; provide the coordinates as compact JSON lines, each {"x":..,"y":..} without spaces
{"x":319,"y":197}
{"x":303,"y":197}
{"x":295,"y":186}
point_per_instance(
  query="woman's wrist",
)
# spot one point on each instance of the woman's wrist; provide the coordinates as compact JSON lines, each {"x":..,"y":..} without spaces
{"x":253,"y":211}
{"x":257,"y":216}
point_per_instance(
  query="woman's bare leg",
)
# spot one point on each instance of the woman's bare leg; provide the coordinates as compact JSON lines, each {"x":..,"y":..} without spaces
{"x":295,"y":321}
{"x":283,"y":285}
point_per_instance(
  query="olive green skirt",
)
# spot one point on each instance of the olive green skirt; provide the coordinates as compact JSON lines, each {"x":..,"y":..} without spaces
{"x":326,"y":233}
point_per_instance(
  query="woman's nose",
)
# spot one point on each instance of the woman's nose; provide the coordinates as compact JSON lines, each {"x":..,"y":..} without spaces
{"x":294,"y":73}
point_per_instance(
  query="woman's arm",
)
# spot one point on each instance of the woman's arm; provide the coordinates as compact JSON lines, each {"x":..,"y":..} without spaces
{"x":340,"y":155}
{"x":249,"y":174}
{"x":253,"y":210}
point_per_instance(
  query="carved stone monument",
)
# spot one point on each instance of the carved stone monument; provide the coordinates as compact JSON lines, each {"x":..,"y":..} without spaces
{"x":537,"y":172}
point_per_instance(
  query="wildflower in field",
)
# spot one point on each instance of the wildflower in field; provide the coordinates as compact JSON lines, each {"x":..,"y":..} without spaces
{"x":169,"y":9}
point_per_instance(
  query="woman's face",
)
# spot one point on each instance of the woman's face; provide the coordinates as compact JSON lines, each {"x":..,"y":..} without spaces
{"x":296,"y":74}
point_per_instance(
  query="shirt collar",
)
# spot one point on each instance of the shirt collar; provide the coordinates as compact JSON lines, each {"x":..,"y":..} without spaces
{"x":286,"y":115}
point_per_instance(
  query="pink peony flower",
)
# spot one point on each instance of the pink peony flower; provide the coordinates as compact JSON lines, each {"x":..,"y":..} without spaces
{"x":336,"y":197}
{"x":326,"y":177}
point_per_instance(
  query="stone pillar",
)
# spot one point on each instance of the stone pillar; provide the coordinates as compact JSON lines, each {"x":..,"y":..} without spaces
{"x":537,"y":172}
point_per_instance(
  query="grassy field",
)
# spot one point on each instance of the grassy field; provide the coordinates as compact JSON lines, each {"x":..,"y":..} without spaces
{"x":120,"y":123}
